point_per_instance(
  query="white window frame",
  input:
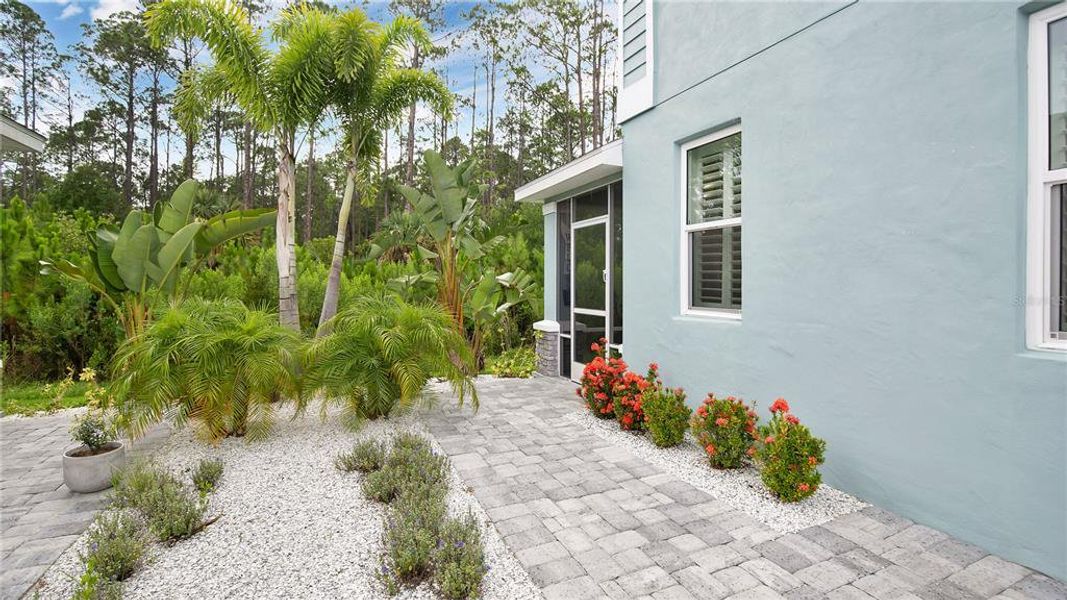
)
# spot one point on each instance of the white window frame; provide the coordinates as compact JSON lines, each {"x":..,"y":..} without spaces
{"x":685,"y":247}
{"x":1041,"y":179}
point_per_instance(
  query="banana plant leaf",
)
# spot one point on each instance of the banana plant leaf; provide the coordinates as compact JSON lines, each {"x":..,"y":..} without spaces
{"x":133,"y":255}
{"x":227,"y":226}
{"x":449,"y":187}
{"x":102,"y":253}
{"x":177,"y":212}
{"x":164,"y":271}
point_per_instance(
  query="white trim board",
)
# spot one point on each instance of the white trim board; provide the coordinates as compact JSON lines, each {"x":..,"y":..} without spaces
{"x":599,"y":164}
{"x":1040,"y":181}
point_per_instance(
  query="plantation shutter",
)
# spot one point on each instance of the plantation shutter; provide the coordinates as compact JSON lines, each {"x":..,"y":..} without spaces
{"x":713,"y":221}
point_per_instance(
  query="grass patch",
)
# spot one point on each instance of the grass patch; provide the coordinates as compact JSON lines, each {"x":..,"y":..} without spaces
{"x":30,"y":398}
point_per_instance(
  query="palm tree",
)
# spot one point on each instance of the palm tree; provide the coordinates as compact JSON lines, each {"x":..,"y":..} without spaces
{"x":371,"y":94}
{"x":279,"y":90}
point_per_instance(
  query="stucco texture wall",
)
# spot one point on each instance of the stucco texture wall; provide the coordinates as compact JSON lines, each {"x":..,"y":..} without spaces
{"x":884,"y":155}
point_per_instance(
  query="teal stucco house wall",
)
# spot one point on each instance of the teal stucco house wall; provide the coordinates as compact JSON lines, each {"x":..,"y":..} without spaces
{"x":860,"y":207}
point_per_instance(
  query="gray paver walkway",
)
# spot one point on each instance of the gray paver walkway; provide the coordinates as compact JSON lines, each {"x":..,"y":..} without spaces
{"x":39,"y":516}
{"x":590,"y":520}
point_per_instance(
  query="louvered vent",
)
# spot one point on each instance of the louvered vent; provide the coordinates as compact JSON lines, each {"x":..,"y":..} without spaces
{"x":634,"y":45}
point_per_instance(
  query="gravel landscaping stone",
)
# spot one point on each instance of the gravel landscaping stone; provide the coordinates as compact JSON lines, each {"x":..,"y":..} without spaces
{"x":290,"y":525}
{"x":739,"y":489}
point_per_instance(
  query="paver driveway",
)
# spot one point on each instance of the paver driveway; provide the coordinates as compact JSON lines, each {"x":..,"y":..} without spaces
{"x":590,"y":520}
{"x":39,"y":516}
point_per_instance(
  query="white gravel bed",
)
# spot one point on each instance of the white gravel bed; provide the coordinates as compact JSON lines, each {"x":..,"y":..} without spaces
{"x":290,"y":524}
{"x":742,"y":489}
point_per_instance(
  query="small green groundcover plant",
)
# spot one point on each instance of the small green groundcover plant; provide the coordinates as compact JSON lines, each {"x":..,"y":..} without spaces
{"x":516,"y":362}
{"x":207,"y":474}
{"x":666,"y":415}
{"x":789,"y":455}
{"x":420,"y":541}
{"x":365,"y":456}
{"x":726,"y":429}
{"x":171,"y":511}
{"x":114,"y":550}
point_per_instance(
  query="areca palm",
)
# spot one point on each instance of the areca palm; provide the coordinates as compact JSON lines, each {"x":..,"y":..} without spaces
{"x":371,"y":93}
{"x":279,"y":90}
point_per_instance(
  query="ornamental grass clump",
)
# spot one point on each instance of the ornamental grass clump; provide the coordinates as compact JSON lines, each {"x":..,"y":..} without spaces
{"x":726,"y":429}
{"x":789,"y":455}
{"x":666,"y":415}
{"x":597,"y":384}
{"x":628,"y":395}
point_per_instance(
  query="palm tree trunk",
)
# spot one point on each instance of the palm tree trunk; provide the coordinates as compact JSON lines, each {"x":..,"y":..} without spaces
{"x":285,"y":234}
{"x":333,"y":283}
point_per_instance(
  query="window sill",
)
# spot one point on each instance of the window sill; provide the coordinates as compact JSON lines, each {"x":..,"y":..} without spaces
{"x":700,"y":316}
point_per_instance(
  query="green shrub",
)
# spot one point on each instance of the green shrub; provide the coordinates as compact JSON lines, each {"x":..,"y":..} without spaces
{"x":597,"y":384}
{"x":115,"y":546}
{"x":215,"y":285}
{"x":725,"y":428}
{"x":91,"y":586}
{"x":207,"y":474}
{"x":459,"y":560}
{"x":666,"y":415}
{"x":517,"y":362}
{"x":92,"y":429}
{"x":380,"y":353}
{"x":411,"y":530}
{"x":217,"y":362}
{"x":171,"y":511}
{"x":789,"y":455}
{"x":365,"y":456}
{"x":411,"y":466}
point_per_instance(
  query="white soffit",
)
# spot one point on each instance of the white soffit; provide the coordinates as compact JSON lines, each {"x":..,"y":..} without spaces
{"x":598,"y":164}
{"x":14,"y":136}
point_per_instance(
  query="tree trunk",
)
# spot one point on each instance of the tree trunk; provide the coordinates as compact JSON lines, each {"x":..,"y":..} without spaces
{"x":285,"y":225}
{"x":416,"y":62}
{"x":246,"y":192}
{"x":153,"y":154}
{"x":309,"y":201}
{"x":333,"y":283}
{"x":131,"y":124}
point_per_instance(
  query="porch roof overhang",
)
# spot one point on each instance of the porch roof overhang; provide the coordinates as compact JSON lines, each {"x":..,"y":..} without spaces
{"x":14,"y":137}
{"x":596,"y":165}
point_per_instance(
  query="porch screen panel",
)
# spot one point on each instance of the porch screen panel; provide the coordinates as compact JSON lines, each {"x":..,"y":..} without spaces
{"x":1057,"y":93}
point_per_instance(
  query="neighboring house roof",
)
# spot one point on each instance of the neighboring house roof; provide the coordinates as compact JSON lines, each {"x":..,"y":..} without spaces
{"x":18,"y":138}
{"x":598,"y":164}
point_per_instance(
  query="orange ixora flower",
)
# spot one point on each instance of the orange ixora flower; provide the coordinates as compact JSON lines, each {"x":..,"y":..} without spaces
{"x":792,"y":419}
{"x":751,"y":451}
{"x":722,"y":421}
{"x":803,"y":487}
{"x":710,"y":449}
{"x":769,"y":440}
{"x":813,"y":461}
{"x":780,"y":405}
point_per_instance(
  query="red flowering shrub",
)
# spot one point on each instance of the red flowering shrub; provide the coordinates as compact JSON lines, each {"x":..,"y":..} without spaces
{"x":789,"y":455}
{"x":666,"y":415}
{"x":628,"y":393}
{"x":598,"y":381}
{"x":726,"y":428}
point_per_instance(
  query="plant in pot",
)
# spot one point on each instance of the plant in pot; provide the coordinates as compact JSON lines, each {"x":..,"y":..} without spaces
{"x":87,"y":467}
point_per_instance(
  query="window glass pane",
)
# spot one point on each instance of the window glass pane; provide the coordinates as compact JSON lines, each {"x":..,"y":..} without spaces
{"x":589,"y":264}
{"x":1059,"y":260}
{"x":1057,"y":93}
{"x":715,"y":256}
{"x":565,"y":355}
{"x":713,"y":181}
{"x":563,"y":253}
{"x":587,"y":330}
{"x":591,"y":204}
{"x":616,"y":263}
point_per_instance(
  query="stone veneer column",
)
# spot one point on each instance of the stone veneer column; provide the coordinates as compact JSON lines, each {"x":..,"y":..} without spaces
{"x":547,"y":347}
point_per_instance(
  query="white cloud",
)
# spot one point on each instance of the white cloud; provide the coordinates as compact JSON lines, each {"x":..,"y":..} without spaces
{"x":106,"y":8}
{"x":70,"y":10}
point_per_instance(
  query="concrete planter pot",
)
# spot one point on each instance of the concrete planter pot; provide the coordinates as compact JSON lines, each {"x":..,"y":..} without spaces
{"x":92,"y":473}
